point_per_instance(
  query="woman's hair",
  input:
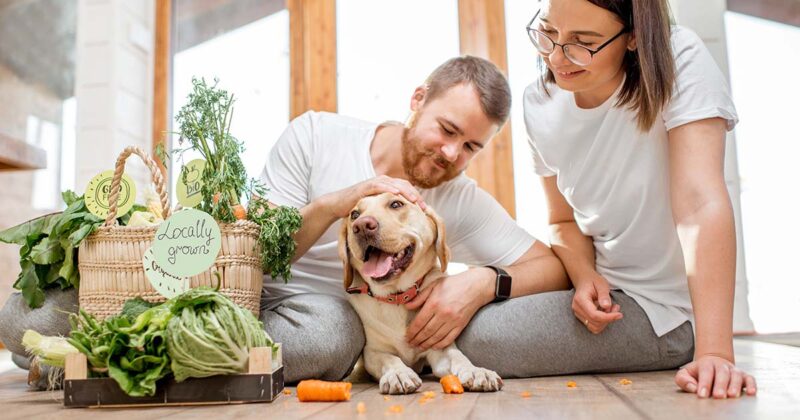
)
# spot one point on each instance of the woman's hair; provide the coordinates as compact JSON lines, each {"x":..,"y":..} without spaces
{"x":650,"y":69}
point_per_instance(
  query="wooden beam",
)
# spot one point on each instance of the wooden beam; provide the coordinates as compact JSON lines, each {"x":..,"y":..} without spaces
{"x":482,"y":30}
{"x":312,"y":45}
{"x":783,"y":11}
{"x":161,"y":79}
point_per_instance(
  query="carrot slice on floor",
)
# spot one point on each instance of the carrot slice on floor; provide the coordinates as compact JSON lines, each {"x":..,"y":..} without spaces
{"x":451,"y":385}
{"x":316,"y":390}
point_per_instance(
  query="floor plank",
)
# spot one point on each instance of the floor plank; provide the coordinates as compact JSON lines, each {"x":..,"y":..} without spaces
{"x":651,"y":395}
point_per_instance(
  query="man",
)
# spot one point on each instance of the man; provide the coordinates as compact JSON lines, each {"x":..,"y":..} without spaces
{"x":324,"y":163}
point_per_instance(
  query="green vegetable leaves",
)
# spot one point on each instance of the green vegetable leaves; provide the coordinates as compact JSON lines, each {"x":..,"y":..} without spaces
{"x":196,"y":334}
{"x":132,"y":351}
{"x":49,"y":252}
{"x":275,"y":237}
{"x":205,"y":125}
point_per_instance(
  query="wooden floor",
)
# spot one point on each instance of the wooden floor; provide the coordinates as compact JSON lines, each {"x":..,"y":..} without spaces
{"x":651,"y":395}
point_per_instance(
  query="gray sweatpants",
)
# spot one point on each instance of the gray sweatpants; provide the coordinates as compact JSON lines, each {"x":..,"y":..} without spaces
{"x":538,"y":335}
{"x":322,"y":335}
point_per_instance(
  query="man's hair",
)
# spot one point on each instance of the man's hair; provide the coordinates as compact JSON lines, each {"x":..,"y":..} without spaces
{"x":485,"y":77}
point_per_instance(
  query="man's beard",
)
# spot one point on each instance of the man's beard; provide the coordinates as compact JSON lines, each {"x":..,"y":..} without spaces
{"x":413,"y":156}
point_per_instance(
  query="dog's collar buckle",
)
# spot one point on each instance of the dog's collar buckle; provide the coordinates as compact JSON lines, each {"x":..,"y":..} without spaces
{"x":394,"y":298}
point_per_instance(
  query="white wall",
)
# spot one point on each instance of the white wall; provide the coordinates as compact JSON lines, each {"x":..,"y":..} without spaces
{"x":113,"y":86}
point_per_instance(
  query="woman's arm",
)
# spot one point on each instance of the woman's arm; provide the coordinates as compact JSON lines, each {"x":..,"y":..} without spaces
{"x":592,"y":303}
{"x":703,"y":216}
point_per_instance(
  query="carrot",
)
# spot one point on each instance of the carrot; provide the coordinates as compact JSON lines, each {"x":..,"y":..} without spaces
{"x":215,"y":198}
{"x":451,"y":385}
{"x":239,"y":212}
{"x":316,"y":390}
{"x":572,"y":384}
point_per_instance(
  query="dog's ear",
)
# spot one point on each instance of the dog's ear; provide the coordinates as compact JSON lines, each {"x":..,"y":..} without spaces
{"x":344,"y":254}
{"x":442,"y":250}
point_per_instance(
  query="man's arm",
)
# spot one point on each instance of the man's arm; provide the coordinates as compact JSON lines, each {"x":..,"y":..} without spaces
{"x":536,"y":271}
{"x":450,"y":304}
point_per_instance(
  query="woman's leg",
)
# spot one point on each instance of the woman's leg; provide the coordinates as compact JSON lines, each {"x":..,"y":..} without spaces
{"x":538,"y":335}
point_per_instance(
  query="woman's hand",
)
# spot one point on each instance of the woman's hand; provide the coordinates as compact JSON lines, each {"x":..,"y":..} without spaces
{"x":592,"y":304}
{"x":710,"y":375}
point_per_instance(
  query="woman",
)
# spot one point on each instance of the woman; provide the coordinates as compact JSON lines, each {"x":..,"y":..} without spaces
{"x":627,"y":127}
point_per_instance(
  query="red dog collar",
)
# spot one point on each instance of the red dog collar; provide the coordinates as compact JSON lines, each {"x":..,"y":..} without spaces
{"x":393,"y":298}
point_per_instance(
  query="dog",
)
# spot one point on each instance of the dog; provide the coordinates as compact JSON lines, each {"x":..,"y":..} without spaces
{"x":391,"y":250}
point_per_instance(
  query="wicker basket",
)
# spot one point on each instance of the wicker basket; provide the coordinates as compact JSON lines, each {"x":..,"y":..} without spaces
{"x":110,"y":259}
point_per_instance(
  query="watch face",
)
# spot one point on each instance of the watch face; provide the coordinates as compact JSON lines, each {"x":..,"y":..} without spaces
{"x":503,"y":285}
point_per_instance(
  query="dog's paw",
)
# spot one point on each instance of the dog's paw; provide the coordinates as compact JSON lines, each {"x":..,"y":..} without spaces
{"x":480,"y":380}
{"x":400,"y":381}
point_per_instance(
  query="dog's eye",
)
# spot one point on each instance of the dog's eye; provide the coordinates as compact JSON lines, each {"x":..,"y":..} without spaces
{"x":354,"y":215}
{"x":396,"y":204}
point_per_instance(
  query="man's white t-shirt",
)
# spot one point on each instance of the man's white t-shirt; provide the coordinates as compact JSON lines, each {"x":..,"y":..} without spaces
{"x":320,"y":153}
{"x":616,"y":178}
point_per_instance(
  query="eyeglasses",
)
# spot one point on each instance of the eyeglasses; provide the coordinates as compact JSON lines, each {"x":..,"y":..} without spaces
{"x":575,"y":53}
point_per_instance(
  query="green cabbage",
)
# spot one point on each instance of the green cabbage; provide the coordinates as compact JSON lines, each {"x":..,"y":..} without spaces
{"x":210,"y":335}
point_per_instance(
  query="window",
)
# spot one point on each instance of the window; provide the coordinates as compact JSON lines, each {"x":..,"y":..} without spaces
{"x":522,"y":71}
{"x":245,"y":45}
{"x":765,"y":92}
{"x":386,"y":49}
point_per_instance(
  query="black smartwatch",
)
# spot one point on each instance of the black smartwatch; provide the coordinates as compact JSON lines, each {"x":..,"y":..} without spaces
{"x":502,"y":287}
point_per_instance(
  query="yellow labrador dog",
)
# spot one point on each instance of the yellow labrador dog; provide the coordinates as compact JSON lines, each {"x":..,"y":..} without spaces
{"x":391,"y":250}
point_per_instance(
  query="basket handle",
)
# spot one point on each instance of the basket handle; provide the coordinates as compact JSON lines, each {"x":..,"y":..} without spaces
{"x":119,"y":168}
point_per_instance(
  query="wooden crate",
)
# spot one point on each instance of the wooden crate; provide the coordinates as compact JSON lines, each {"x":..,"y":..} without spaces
{"x":263,"y":383}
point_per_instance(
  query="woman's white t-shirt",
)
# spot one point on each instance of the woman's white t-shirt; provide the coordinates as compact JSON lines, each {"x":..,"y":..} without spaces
{"x":616,"y":178}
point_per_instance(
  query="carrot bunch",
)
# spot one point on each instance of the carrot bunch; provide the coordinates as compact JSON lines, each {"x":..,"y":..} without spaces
{"x":316,"y":390}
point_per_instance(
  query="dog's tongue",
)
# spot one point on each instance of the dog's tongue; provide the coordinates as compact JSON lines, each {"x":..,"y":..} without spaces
{"x":378,"y":265}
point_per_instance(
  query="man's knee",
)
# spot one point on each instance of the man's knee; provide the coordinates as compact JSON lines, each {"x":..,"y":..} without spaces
{"x":50,"y":319}
{"x":323,"y":337}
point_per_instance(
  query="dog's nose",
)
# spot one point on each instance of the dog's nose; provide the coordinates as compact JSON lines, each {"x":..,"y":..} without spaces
{"x":365,"y":225}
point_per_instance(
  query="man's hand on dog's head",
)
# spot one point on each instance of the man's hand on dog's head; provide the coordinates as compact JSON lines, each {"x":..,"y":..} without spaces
{"x":339,"y":203}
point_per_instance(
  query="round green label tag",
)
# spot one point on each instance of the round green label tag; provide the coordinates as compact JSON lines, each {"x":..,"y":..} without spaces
{"x":99,"y":189}
{"x":168,"y":285}
{"x":187,"y":243}
{"x":189,"y":183}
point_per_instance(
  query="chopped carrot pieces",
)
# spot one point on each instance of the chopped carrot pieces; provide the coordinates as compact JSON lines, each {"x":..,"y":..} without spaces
{"x":287,"y":391}
{"x":361,"y":408}
{"x":525,"y":394}
{"x":429,"y":394}
{"x":315,"y":390}
{"x":624,"y":381}
{"x":386,"y":398}
{"x":451,"y":385}
{"x":396,"y":409}
{"x":572,"y":384}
